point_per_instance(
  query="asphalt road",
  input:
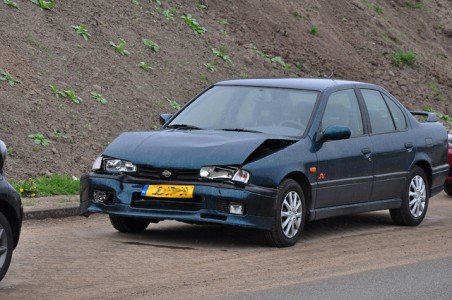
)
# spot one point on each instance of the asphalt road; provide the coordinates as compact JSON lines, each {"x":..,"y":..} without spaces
{"x":363,"y":256}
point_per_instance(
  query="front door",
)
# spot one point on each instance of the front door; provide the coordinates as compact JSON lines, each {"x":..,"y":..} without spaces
{"x":344,"y":166}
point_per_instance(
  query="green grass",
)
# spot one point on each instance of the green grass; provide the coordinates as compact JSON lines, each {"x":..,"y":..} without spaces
{"x":314,"y":30}
{"x":37,"y":44}
{"x":436,"y":91}
{"x":414,"y":4}
{"x":47,"y":186}
{"x":401,"y":57}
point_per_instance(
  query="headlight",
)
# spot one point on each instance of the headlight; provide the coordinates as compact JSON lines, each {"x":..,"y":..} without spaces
{"x":119,"y":165}
{"x":113,"y":165}
{"x":227,"y":173}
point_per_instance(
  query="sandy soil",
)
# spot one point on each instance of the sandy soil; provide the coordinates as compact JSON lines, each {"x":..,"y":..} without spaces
{"x":78,"y":258}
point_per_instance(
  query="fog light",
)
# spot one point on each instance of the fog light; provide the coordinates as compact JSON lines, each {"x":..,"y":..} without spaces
{"x":99,"y":196}
{"x":236,"y":208}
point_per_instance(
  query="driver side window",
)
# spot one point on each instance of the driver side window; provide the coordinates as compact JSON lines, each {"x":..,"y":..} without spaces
{"x":342,"y":109}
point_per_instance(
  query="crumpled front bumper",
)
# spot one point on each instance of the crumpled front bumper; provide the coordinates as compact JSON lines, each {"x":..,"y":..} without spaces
{"x":214,"y":197}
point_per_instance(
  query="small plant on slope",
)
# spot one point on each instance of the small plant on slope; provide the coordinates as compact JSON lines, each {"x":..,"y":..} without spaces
{"x":120,"y":48}
{"x":194,"y":25}
{"x":314,"y":30}
{"x":43,"y":4}
{"x":11,"y":3}
{"x":58,"y":134}
{"x":210,"y":67}
{"x":99,"y":98}
{"x":8,"y":77}
{"x":80,"y":29}
{"x":169,"y":14}
{"x":56,"y":91}
{"x":221,"y":54}
{"x":414,"y":4}
{"x":151,"y":45}
{"x":401,"y":57}
{"x":144,"y":66}
{"x":70,"y":94}
{"x":39,"y":139}
{"x":173,"y":103}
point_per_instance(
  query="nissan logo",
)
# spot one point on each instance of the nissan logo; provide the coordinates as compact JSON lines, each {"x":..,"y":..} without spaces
{"x":166,"y":173}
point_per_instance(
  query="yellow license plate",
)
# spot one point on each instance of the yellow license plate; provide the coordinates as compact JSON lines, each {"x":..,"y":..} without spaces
{"x":168,"y":191}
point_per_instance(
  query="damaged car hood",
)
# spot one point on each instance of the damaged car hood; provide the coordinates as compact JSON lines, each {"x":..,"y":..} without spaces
{"x":192,"y":149}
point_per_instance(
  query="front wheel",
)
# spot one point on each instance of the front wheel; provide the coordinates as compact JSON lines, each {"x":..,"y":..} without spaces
{"x":414,"y":200}
{"x":6,"y":245}
{"x":289,"y":215}
{"x":128,"y":225}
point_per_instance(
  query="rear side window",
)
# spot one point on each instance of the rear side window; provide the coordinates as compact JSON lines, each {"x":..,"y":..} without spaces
{"x":380,"y":116}
{"x":397,"y":114}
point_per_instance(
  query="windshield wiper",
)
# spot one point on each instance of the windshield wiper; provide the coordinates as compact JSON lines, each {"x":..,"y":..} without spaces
{"x":240,"y":130}
{"x":182,"y":126}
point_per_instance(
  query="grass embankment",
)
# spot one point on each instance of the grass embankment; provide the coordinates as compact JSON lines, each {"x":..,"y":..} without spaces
{"x":47,"y":186}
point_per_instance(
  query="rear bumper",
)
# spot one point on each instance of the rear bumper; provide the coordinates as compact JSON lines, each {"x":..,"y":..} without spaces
{"x":211,"y":207}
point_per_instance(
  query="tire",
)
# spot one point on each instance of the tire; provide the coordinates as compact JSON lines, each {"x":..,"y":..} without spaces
{"x":448,"y":189}
{"x":290,"y":214}
{"x":6,"y":245}
{"x":128,"y":225}
{"x":415,"y":199}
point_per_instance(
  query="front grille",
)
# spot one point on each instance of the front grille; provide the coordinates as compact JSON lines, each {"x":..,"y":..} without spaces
{"x":157,"y":174}
{"x":222,"y":206}
{"x":185,"y":204}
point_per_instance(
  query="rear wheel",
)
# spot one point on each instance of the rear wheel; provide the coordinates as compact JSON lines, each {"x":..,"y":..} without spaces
{"x":124,"y":224}
{"x":6,"y":245}
{"x":414,"y":200}
{"x":289,"y":216}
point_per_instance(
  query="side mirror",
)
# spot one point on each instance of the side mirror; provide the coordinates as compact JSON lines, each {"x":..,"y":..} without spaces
{"x":334,"y":133}
{"x":165,"y":118}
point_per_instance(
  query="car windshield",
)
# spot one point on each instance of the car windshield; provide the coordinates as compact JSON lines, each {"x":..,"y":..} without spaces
{"x":249,"y":109}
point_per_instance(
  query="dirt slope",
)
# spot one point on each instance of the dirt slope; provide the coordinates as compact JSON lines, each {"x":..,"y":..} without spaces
{"x":356,"y":40}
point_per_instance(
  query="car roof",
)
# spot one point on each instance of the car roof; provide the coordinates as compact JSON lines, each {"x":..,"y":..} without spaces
{"x":316,"y":84}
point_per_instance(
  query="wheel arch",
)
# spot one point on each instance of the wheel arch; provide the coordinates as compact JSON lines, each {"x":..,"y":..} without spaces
{"x":8,"y":211}
{"x":303,"y":181}
{"x":427,"y":168}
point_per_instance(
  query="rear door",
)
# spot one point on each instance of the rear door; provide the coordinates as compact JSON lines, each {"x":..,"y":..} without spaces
{"x":392,"y":144}
{"x":344,"y":166}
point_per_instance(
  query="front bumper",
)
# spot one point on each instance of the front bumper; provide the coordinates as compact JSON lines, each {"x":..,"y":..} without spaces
{"x":211,"y":200}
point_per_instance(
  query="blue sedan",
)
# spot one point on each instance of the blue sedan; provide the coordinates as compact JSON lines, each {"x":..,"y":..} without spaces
{"x":272,"y":154}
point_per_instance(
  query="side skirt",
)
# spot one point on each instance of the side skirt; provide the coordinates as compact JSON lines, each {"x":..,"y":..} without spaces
{"x":322,"y":213}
